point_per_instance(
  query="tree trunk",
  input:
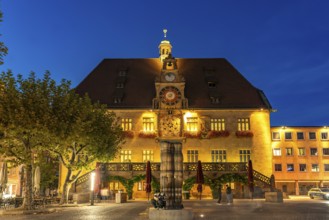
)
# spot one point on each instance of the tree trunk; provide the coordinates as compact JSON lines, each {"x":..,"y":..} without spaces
{"x":28,"y":191}
{"x":66,"y":187}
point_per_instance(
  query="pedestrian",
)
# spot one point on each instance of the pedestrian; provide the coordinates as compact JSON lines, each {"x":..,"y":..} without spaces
{"x":229,"y":195}
{"x":219,"y":194}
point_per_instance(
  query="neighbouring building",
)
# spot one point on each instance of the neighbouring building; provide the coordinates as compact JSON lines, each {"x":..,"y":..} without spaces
{"x":300,"y":158}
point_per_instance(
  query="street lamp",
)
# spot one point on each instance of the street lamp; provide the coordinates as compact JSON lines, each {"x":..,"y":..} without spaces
{"x":92,"y":185}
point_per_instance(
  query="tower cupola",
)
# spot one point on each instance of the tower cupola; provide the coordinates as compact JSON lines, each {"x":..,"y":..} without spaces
{"x":164,"y":47}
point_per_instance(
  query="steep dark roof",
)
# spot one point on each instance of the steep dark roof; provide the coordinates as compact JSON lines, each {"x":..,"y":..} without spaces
{"x":210,"y":83}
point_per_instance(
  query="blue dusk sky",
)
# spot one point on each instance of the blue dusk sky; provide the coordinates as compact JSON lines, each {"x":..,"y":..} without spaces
{"x":281,"y":46}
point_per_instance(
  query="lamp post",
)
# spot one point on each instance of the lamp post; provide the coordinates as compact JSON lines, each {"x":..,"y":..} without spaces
{"x":92,"y":186}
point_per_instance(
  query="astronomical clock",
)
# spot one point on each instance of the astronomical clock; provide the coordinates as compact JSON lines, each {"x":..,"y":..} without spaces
{"x":170,"y":99}
{"x":170,"y":95}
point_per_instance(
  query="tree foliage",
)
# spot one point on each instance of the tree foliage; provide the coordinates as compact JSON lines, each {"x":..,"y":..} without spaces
{"x":3,"y":48}
{"x":39,"y":116}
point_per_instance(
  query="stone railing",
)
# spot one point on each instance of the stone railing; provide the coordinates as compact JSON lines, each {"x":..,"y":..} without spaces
{"x":239,"y":167}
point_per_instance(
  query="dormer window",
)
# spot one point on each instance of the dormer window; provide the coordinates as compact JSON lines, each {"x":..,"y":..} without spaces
{"x":120,"y":85}
{"x":211,"y":84}
{"x":122,"y":73}
{"x":215,"y":100}
{"x":117,"y":100}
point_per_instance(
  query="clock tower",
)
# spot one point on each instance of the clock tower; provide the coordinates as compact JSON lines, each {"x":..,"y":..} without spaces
{"x":168,"y":103}
{"x":170,"y":98}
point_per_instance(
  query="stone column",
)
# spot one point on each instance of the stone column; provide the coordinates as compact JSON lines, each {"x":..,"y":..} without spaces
{"x":171,"y":173}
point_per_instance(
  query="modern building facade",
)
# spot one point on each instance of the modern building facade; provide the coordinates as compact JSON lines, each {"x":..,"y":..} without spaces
{"x":300,"y":158}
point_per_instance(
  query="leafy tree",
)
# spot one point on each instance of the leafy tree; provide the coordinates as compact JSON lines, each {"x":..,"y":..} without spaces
{"x":128,"y":183}
{"x":3,"y":48}
{"x":38,"y":116}
{"x":85,"y":132}
{"x":24,"y":109}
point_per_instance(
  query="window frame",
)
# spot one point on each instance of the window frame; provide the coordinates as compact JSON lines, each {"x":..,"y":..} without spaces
{"x":300,"y":133}
{"x":220,"y":154}
{"x":325,"y":149}
{"x":274,"y":133}
{"x":192,"y":156}
{"x":148,"y":156}
{"x":311,"y":133}
{"x":243,"y":124}
{"x":277,"y":150}
{"x":316,"y":151}
{"x":245,"y":155}
{"x":217,"y":124}
{"x":285,"y":136}
{"x":278,"y":167}
{"x":326,"y":167}
{"x":292,"y":166}
{"x":326,"y":134}
{"x":304,"y":151}
{"x":291,"y":150}
{"x":316,"y":167}
{"x":300,"y":167}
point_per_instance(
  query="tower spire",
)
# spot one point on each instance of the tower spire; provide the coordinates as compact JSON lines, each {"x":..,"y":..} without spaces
{"x":165,"y":46}
{"x":165,"y":33}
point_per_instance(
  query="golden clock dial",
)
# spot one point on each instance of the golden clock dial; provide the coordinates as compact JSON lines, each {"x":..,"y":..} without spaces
{"x":170,"y":95}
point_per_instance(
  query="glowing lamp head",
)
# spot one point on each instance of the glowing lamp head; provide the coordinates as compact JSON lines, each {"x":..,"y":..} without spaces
{"x":92,"y":181}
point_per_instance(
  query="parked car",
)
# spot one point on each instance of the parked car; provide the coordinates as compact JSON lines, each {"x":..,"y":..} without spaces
{"x":321,"y":193}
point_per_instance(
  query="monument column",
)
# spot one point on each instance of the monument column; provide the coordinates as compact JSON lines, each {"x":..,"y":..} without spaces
{"x":171,"y":173}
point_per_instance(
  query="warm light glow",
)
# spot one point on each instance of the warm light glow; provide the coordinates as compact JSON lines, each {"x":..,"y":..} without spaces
{"x":92,"y":181}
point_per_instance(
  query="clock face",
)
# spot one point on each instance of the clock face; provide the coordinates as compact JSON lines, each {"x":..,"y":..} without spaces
{"x":170,"y":77}
{"x":170,"y":95}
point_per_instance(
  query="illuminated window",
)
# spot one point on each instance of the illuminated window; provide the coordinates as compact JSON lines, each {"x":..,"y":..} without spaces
{"x":243,"y":124}
{"x":300,"y":136}
{"x":312,"y":135}
{"x":277,"y":151}
{"x":218,"y":155}
{"x":192,"y":123}
{"x":244,"y":155}
{"x":278,"y":167}
{"x":325,"y":151}
{"x":315,"y":168}
{"x":141,"y":186}
{"x":314,"y":151}
{"x":114,"y":185}
{"x":126,"y":124}
{"x":324,"y":135}
{"x":275,"y":135}
{"x":192,"y":155}
{"x":217,"y":124}
{"x":147,"y":155}
{"x":302,"y":167}
{"x":290,"y":167}
{"x":125,"y":155}
{"x":289,"y":151}
{"x":287,"y":136}
{"x":148,"y":124}
{"x":301,"y":151}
